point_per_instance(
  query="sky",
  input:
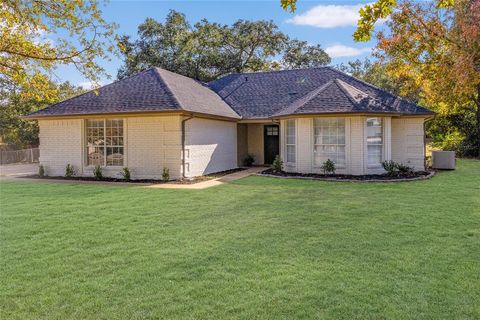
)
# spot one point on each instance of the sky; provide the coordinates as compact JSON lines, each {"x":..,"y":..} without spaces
{"x":328,"y":23}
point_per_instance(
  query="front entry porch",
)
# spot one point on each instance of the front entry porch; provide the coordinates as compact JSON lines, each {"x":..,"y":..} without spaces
{"x":261,"y":140}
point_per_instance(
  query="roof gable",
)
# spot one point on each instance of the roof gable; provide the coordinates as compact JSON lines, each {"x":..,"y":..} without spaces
{"x":152,"y":90}
{"x":315,"y":90}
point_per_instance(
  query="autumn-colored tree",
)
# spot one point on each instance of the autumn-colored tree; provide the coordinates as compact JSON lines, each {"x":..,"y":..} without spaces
{"x":37,"y":36}
{"x":437,"y":50}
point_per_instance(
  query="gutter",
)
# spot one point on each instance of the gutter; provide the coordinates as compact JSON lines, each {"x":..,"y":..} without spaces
{"x":183,"y":144}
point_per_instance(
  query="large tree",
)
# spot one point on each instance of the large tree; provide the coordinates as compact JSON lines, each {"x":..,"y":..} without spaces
{"x":209,"y":50}
{"x":437,"y":50}
{"x":15,"y":103}
{"x":37,"y":36}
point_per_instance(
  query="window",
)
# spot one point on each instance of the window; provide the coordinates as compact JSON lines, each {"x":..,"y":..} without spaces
{"x":290,"y":141}
{"x":105,"y":142}
{"x":374,"y":141}
{"x":329,"y":141}
{"x":272,"y":131}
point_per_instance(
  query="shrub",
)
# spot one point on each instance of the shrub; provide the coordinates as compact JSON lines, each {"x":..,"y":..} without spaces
{"x":397,"y":169}
{"x":404,"y":170}
{"x":69,"y":171}
{"x":125,"y":173}
{"x":166,"y":174}
{"x":41,"y":171}
{"x":249,"y":160}
{"x":97,"y":172}
{"x":277,"y":164}
{"x":328,"y":167}
{"x":391,"y":167}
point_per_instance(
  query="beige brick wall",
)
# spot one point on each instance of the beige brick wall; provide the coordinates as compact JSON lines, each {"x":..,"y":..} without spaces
{"x":151,"y":143}
{"x":61,"y":143}
{"x":408,"y":142}
{"x":355,"y":145}
{"x":210,"y":146}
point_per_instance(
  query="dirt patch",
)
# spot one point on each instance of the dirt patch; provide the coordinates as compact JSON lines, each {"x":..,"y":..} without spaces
{"x":194,"y":180}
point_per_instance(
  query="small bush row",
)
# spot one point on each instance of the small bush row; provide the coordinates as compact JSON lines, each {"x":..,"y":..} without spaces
{"x":70,"y":172}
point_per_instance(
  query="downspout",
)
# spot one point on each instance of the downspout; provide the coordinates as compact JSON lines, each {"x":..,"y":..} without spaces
{"x":183,"y":145}
{"x":425,"y":142}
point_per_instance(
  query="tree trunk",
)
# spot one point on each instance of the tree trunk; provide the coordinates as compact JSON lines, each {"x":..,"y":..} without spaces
{"x":478,"y":120}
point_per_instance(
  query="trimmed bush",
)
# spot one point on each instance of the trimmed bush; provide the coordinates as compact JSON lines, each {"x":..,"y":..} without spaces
{"x":97,"y":172}
{"x":328,"y":167}
{"x":41,"y":171}
{"x":125,"y":173}
{"x":249,"y":160}
{"x":277,"y":165}
{"x":69,"y":171}
{"x":166,"y":174}
{"x":391,"y":167}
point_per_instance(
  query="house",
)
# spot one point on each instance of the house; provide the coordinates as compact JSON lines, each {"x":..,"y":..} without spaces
{"x":159,"y":119}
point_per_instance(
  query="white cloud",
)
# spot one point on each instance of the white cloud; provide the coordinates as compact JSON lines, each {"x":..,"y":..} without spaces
{"x":340,"y":50}
{"x":329,"y":16}
{"x":88,"y":85}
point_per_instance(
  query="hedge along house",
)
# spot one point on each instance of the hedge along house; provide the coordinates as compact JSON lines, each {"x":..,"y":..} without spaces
{"x":158,"y":119}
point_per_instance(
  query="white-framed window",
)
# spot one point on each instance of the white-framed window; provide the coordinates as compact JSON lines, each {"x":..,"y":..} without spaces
{"x":290,"y":144}
{"x":104,"y":142}
{"x":329,"y":141}
{"x":374,"y":142}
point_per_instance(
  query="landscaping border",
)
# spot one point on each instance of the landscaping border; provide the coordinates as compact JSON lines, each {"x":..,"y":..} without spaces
{"x":429,"y":176}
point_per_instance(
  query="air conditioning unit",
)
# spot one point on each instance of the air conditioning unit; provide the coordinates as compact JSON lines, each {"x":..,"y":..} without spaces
{"x":443,"y":160}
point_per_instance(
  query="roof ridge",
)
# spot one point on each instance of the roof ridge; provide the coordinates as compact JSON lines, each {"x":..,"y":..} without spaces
{"x":341,"y":84}
{"x":372,"y":86}
{"x":294,"y":106}
{"x":270,"y":71}
{"x":167,"y":86}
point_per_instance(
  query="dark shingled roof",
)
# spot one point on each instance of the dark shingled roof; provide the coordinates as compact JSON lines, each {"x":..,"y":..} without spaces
{"x":303,"y":91}
{"x":245,"y":95}
{"x":149,"y":91}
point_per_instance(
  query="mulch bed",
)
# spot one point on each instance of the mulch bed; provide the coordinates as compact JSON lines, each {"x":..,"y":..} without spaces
{"x":149,"y":181}
{"x":347,"y":177}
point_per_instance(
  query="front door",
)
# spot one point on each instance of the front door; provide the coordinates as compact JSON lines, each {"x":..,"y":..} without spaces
{"x":271,"y":143}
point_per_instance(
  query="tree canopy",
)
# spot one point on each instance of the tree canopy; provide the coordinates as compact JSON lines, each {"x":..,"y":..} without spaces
{"x":38,"y":36}
{"x":209,"y":50}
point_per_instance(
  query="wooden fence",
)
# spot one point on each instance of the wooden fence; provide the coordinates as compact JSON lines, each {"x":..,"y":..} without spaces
{"x":19,"y":156}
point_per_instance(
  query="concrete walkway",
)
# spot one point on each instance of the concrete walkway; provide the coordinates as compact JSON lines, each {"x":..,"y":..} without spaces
{"x":15,"y":172}
{"x":211,"y":183}
{"x":18,"y":169}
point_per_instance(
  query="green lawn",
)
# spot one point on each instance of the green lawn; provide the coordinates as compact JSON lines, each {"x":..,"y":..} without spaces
{"x":258,"y":248}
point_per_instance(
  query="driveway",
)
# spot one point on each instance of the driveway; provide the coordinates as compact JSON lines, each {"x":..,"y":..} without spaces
{"x":15,"y":170}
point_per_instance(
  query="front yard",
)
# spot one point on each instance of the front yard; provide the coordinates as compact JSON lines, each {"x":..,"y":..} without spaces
{"x":257,"y":248}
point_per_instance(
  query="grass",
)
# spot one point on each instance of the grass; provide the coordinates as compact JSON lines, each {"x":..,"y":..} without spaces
{"x":257,"y":248}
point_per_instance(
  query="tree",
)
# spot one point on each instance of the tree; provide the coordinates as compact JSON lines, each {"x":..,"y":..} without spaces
{"x":79,"y":36}
{"x":298,"y":54}
{"x":437,"y":51}
{"x":375,"y":73}
{"x":15,"y":103}
{"x":209,"y":50}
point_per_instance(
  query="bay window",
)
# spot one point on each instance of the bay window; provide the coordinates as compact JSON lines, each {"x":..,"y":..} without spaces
{"x":329,"y":141}
{"x":105,"y":145}
{"x":290,"y":142}
{"x":375,"y":142}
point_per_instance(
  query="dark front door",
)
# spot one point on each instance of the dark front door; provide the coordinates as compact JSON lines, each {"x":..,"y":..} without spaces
{"x":271,"y":143}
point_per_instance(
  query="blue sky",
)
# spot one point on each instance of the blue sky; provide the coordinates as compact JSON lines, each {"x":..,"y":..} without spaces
{"x":328,"y":23}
